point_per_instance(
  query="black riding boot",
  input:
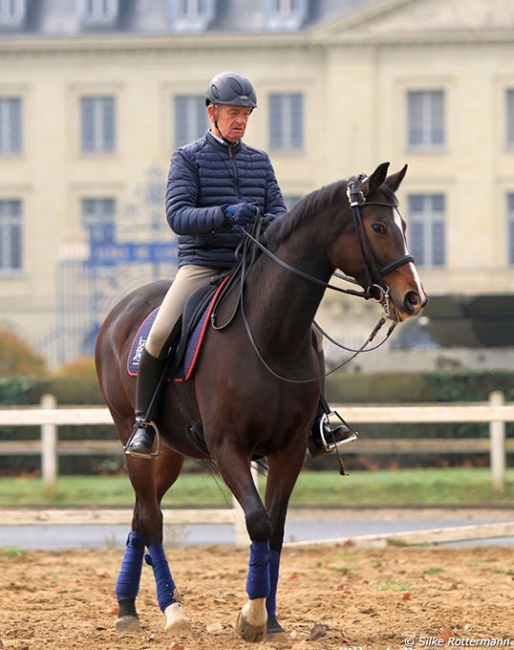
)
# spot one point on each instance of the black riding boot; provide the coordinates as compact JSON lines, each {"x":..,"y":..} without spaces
{"x":322,"y":438}
{"x":148,"y":392}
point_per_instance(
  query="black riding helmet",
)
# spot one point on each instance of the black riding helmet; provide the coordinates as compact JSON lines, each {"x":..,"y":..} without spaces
{"x":232,"y":89}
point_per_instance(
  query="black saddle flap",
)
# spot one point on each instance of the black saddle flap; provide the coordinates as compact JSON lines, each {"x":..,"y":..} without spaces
{"x":195,"y":306}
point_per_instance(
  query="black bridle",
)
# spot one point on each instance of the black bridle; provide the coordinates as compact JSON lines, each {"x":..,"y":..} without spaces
{"x":376,"y":286}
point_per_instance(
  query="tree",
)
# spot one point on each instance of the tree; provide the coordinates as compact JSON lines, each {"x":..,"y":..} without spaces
{"x":18,"y":359}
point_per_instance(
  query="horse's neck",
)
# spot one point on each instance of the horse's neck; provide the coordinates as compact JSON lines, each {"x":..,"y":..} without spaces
{"x":281,"y":303}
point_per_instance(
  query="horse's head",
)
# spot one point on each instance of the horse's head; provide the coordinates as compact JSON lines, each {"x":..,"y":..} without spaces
{"x":380,"y":260}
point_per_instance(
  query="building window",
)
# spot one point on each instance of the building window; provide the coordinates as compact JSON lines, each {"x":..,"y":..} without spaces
{"x":191,"y":119}
{"x":285,"y":14}
{"x":12,"y":13}
{"x":10,"y":236}
{"x":426,"y":119}
{"x":10,"y":125}
{"x":427,"y":229}
{"x":192,"y":8}
{"x":510,"y":217}
{"x":192,"y":15}
{"x":98,"y":124}
{"x":286,"y":122}
{"x":98,"y":12}
{"x":510,"y":119}
{"x":98,"y":218}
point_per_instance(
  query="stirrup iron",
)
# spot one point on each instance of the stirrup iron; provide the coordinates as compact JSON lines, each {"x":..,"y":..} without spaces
{"x":157,"y":438}
{"x":330,"y":445}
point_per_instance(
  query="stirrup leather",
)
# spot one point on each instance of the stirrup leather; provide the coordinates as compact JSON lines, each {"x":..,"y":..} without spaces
{"x":144,"y":424}
{"x":330,"y":445}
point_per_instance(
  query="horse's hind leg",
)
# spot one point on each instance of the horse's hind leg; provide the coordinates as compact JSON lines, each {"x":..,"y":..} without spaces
{"x":150,"y":482}
{"x":127,"y":584}
{"x":168,"y":469}
{"x":129,"y":577}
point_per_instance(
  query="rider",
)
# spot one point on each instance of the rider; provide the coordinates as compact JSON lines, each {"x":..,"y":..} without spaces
{"x":214,"y":187}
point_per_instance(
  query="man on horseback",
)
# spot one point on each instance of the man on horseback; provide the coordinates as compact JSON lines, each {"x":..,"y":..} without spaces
{"x":217,"y":187}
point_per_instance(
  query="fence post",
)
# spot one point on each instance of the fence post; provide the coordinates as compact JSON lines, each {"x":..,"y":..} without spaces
{"x":49,"y":449}
{"x":497,"y":438}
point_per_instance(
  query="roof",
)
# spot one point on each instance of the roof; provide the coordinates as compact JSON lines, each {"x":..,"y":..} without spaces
{"x":71,"y":18}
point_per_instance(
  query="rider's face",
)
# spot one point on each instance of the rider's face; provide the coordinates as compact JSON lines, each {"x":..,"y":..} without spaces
{"x":231,"y":121}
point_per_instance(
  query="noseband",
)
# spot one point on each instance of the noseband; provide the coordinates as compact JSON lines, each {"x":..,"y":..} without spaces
{"x":376,"y":286}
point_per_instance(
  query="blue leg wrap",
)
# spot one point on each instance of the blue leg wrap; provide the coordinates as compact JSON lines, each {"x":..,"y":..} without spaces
{"x":274,"y":567}
{"x":161,"y":570}
{"x":127,"y":585}
{"x":258,"y":579}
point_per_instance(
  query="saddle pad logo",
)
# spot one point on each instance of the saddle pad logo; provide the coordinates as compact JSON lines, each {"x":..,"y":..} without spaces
{"x":138,"y":343}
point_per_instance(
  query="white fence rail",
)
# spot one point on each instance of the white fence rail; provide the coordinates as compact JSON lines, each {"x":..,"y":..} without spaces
{"x":48,"y":416}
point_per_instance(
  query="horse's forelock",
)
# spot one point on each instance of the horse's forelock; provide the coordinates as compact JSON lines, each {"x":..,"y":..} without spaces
{"x":388,"y":193}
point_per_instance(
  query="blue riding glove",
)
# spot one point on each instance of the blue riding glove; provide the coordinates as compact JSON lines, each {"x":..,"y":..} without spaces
{"x":240,"y":214}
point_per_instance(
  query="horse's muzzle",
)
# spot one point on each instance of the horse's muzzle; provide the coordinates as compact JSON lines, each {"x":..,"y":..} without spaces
{"x":407,"y":306}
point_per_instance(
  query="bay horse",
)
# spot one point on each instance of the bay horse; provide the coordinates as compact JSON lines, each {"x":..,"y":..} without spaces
{"x":256,"y":384}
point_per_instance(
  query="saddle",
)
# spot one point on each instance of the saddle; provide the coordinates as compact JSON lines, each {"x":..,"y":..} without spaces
{"x":194,"y":322}
{"x":186,"y":337}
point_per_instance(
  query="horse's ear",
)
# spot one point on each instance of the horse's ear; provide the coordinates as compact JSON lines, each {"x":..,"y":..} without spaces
{"x":393,"y":181}
{"x":376,"y":179}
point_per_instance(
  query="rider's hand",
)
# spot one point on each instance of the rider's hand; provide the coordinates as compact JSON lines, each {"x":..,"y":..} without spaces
{"x":241,"y":214}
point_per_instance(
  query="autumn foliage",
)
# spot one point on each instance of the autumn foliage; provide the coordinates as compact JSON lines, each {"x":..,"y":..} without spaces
{"x":17,"y":358}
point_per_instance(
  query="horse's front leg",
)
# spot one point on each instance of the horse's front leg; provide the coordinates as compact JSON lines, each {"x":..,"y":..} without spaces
{"x":279,"y":487}
{"x":251,"y":623}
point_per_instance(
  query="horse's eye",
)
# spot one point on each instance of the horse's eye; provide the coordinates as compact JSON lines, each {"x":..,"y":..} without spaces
{"x":379,"y":229}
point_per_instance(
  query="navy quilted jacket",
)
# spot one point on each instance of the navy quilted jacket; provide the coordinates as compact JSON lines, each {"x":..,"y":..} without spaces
{"x":203,"y":180}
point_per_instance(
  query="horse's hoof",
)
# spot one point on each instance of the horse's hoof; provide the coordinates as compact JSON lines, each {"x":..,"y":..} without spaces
{"x":127,"y":624}
{"x":249,"y":632}
{"x":177,"y":623}
{"x":273,"y":626}
{"x":251,"y":623}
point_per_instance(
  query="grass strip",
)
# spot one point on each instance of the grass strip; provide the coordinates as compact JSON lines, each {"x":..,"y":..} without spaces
{"x":459,"y":487}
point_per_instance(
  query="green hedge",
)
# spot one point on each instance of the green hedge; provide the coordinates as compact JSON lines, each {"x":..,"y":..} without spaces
{"x":408,"y":387}
{"x":419,"y":387}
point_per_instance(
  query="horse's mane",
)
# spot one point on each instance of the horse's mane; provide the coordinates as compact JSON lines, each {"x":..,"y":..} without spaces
{"x":280,"y":230}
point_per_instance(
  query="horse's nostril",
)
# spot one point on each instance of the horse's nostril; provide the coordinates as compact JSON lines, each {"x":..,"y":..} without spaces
{"x":412,"y":301}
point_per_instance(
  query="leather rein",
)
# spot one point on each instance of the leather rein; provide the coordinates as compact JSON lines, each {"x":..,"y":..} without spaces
{"x":376,"y":290}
